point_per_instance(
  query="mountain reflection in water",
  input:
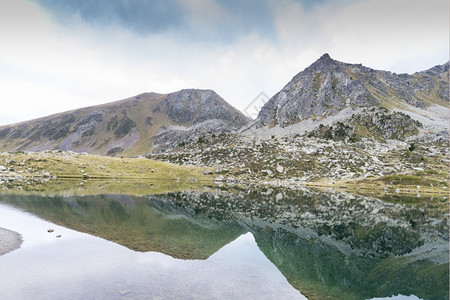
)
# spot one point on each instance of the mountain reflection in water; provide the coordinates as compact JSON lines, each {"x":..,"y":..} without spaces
{"x":327,"y":245}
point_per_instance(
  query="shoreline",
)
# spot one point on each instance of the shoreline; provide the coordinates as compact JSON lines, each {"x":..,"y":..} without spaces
{"x":9,"y":241}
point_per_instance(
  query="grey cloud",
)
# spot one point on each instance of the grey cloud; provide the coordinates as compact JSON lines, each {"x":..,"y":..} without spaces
{"x":141,"y":16}
{"x":160,"y":16}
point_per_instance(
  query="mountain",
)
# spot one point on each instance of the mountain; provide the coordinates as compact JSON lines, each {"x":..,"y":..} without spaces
{"x":327,"y":100}
{"x":333,"y":121}
{"x":328,"y":87}
{"x":123,"y":127}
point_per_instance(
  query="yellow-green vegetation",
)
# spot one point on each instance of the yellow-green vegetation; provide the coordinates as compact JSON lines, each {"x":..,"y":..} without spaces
{"x":393,"y":100}
{"x":119,"y":127}
{"x":389,"y":101}
{"x":83,"y":187}
{"x":432,"y":98}
{"x":362,"y":131}
{"x":122,"y":128}
{"x":428,"y":188}
{"x":71,"y":173}
{"x":74,"y":165}
{"x":417,"y":183}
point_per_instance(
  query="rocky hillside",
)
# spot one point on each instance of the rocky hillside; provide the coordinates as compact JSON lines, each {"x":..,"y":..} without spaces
{"x":370,"y":123}
{"x":123,"y":127}
{"x":301,"y":159}
{"x":328,"y":87}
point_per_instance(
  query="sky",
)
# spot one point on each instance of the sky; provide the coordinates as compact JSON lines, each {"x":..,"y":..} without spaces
{"x":58,"y":55}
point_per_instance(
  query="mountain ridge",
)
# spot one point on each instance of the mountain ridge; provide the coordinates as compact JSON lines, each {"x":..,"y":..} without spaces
{"x":326,"y":93}
{"x":328,"y":86}
{"x":124,"y":126}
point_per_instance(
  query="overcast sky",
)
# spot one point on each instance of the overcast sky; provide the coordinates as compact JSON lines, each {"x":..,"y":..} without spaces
{"x":57,"y":55}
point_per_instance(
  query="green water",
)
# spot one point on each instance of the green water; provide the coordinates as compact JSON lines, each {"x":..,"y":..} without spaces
{"x":326,"y":245}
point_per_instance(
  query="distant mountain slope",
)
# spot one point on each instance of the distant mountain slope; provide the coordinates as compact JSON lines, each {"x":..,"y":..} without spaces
{"x":125,"y":126}
{"x":328,"y":86}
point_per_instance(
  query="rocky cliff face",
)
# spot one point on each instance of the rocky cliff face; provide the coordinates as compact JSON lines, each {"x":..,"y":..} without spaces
{"x":191,"y":107}
{"x":174,"y":138}
{"x":328,"y":86}
{"x":121,"y":127}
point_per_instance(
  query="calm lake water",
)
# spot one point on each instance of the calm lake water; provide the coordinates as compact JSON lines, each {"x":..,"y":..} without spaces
{"x":224,"y":244}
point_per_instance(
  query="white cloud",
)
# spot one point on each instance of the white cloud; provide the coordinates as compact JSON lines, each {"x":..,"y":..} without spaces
{"x":65,"y":68}
{"x":393,"y":35}
{"x":400,"y":35}
{"x":47,"y":68}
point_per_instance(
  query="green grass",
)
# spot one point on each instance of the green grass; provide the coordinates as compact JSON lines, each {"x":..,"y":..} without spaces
{"x":63,"y":165}
{"x":411,"y":180}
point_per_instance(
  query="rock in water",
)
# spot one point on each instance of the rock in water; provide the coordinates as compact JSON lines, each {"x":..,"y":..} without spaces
{"x":9,"y":241}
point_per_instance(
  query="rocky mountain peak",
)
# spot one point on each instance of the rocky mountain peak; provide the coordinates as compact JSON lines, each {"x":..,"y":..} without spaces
{"x":324,"y":64}
{"x":194,"y":106}
{"x":324,"y":88}
{"x":329,"y":86}
{"x":325,"y":59}
{"x":325,"y":56}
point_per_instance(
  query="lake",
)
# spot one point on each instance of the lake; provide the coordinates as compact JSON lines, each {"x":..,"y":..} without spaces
{"x":223,"y":243}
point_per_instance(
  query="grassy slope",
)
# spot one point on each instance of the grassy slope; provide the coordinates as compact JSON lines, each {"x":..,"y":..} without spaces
{"x":137,"y":108}
{"x":93,"y":174}
{"x":78,"y":174}
{"x":393,"y":101}
{"x":66,"y":165}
